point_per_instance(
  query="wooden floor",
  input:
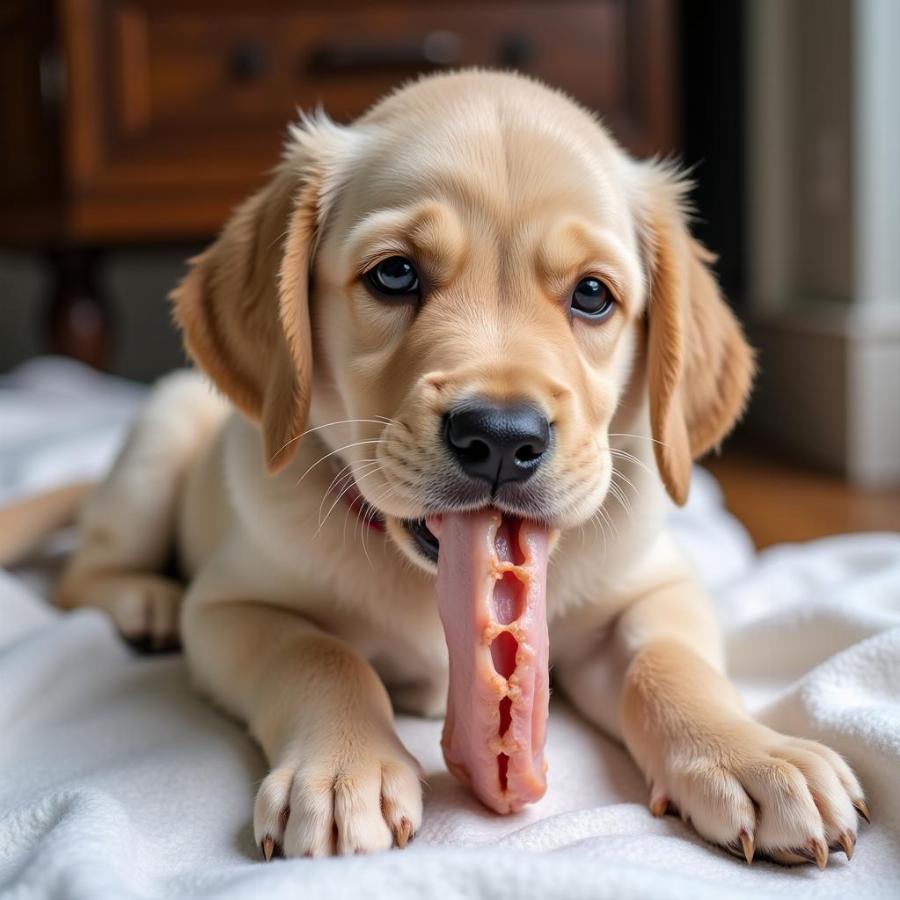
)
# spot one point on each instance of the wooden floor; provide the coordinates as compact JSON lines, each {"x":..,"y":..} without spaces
{"x":780,"y":501}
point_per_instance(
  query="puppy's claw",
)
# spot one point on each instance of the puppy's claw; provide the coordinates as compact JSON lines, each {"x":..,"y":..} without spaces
{"x":267,"y":847}
{"x":747,"y":845}
{"x":403,"y":833}
{"x":848,"y":844}
{"x":820,"y":852}
{"x":659,"y":806}
{"x":863,"y":809}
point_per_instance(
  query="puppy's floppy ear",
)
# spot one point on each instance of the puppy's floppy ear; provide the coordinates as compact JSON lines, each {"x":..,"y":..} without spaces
{"x":700,"y":367}
{"x":243,"y":306}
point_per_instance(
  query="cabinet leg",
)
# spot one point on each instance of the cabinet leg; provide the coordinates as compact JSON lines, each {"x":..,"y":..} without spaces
{"x":80,"y":320}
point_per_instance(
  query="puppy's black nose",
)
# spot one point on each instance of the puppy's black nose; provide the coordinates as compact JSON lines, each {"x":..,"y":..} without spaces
{"x":497,"y":443}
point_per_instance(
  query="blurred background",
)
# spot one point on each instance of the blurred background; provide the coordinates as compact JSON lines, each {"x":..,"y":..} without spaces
{"x":130,"y":128}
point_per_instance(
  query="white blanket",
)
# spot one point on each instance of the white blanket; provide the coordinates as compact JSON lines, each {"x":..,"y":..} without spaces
{"x":116,"y":780}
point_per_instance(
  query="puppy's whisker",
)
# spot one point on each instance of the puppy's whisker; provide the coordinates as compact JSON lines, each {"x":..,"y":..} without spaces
{"x":333,"y":484}
{"x":380,"y":420}
{"x":357,"y":420}
{"x":605,"y":517}
{"x":619,"y":495}
{"x":375,"y":506}
{"x":336,"y":483}
{"x":322,"y":459}
{"x":358,"y":520}
{"x":350,"y":481}
{"x":640,"y":437}
{"x":625,"y":501}
{"x":621,"y":488}
{"x":598,"y":521}
{"x":613,"y":490}
{"x":366,"y":520}
{"x":613,"y":529}
{"x":618,"y":474}
{"x":339,"y":477}
{"x":630,"y":457}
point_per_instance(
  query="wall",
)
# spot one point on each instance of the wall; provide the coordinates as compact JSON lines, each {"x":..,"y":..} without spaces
{"x":823,"y":140}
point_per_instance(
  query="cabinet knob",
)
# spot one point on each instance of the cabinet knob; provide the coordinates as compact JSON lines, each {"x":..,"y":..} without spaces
{"x":248,"y":61}
{"x":517,"y":50}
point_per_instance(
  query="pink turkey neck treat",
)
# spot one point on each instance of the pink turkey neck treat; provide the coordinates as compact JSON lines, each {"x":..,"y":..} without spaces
{"x":491,"y":593}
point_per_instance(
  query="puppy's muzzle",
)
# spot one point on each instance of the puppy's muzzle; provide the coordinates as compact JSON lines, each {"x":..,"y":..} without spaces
{"x":497,"y":444}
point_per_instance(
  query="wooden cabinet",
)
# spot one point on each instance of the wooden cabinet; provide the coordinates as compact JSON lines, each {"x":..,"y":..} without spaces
{"x":148,"y":120}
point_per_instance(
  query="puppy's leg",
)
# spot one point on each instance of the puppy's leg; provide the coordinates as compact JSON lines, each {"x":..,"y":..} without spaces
{"x":742,"y":785}
{"x":340,"y":780}
{"x":126,"y":526}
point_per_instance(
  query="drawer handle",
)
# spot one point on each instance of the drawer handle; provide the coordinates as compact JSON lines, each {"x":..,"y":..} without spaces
{"x":437,"y":49}
{"x":517,"y":50}
{"x":248,"y":61}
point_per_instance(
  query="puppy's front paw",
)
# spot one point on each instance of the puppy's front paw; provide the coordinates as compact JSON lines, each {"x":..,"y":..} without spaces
{"x":356,"y":799}
{"x":752,"y":790}
{"x":144,"y":607}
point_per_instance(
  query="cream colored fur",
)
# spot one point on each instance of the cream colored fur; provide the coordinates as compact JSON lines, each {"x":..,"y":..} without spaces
{"x":311,"y":628}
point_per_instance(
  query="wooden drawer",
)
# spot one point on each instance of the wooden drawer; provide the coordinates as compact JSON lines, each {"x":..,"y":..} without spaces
{"x":189,"y":99}
{"x":161,"y":115}
{"x":184,"y":69}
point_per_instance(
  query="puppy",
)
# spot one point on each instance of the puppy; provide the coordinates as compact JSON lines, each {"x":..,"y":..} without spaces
{"x":468,"y":316}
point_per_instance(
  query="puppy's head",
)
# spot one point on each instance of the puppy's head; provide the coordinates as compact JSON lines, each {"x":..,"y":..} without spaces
{"x":470,"y":278}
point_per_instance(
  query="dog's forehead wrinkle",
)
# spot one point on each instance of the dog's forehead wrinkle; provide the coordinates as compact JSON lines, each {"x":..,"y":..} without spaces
{"x":491,"y":151}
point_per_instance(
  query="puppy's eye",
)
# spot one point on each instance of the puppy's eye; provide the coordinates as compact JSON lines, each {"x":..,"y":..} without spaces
{"x":593,"y":300}
{"x":394,"y":277}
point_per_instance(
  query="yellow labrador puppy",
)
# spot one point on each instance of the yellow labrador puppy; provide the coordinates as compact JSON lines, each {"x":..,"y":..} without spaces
{"x":466,"y":334}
